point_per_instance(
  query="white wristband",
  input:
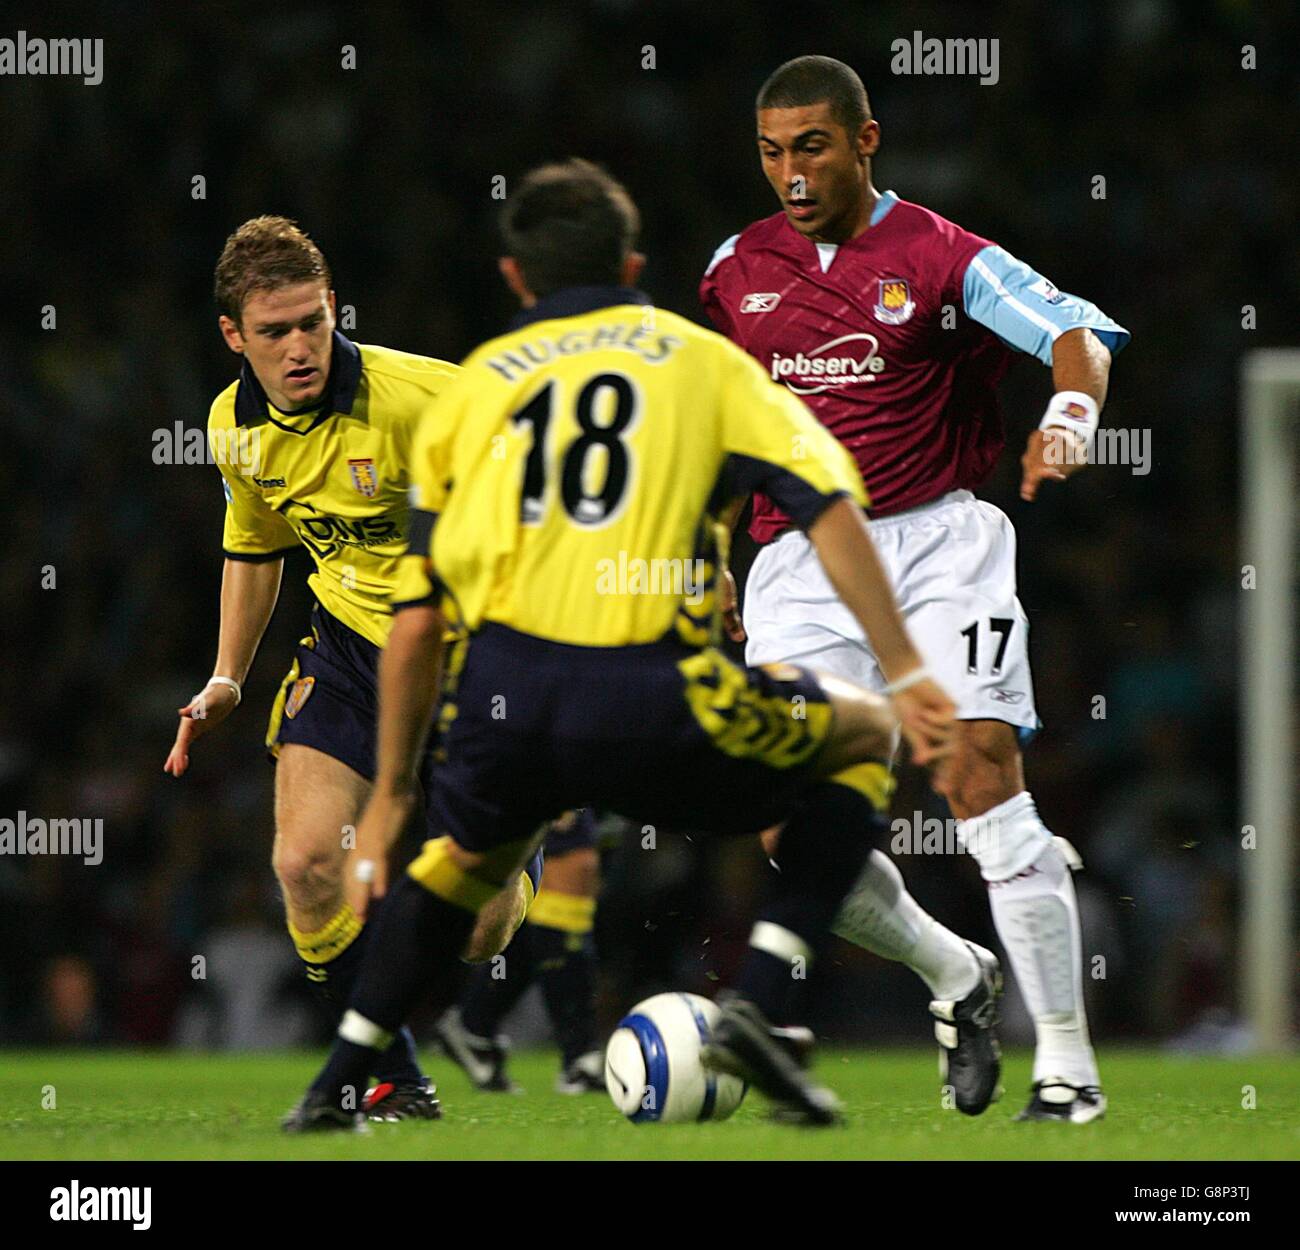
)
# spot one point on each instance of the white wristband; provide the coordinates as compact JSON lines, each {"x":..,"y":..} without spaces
{"x":914,"y":678}
{"x":227,"y":681}
{"x":1073,"y":411}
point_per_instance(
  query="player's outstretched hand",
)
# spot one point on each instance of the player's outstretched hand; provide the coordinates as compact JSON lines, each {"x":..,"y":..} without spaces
{"x":928,"y":718}
{"x":380,"y":826}
{"x":203,"y":713}
{"x":1050,"y":456}
{"x":731,"y":621}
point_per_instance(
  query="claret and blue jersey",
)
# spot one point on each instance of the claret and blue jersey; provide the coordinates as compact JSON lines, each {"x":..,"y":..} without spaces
{"x":895,"y":340}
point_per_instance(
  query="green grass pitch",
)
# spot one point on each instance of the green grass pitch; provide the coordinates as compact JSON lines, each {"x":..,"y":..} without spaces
{"x":152,"y":1105}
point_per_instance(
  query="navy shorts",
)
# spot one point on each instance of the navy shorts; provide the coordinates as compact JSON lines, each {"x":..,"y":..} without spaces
{"x":329,"y":697}
{"x":574,"y":831}
{"x":328,"y":700}
{"x":533,"y":871}
{"x":662,"y":734}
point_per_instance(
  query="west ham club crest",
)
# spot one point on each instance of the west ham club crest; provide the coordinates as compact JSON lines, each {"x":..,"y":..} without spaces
{"x":893,"y":302}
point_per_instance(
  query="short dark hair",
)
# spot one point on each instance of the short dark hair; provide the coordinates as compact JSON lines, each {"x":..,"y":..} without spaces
{"x":263,"y":254}
{"x":569,"y":224}
{"x":814,"y":80}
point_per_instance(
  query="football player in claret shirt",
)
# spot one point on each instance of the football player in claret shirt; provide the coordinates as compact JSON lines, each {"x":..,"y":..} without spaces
{"x":314,"y":443}
{"x":595,"y":441}
{"x":894,"y":326}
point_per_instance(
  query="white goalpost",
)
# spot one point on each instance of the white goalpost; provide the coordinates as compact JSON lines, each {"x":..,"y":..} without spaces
{"x":1270,"y":478}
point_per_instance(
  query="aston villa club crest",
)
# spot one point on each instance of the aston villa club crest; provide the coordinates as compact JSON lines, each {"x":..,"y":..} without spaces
{"x":894,"y":302}
{"x":298,"y":695}
{"x":363,"y":476}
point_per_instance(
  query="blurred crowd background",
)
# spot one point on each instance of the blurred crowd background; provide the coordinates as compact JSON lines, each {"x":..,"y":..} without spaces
{"x":1131,"y":581}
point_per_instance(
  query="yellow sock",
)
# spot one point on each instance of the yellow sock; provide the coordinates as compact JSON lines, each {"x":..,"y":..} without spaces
{"x":323,"y":945}
{"x":570,"y":913}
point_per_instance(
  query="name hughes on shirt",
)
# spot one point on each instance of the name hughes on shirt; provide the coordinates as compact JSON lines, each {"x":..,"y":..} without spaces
{"x":525,"y":356}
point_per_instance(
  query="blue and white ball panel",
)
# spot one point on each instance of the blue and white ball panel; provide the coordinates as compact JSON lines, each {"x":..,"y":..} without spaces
{"x":652,"y":1063}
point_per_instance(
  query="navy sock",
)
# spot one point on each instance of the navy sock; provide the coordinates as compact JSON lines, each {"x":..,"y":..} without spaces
{"x":769,"y":981}
{"x":333,"y":982}
{"x":489,"y":996}
{"x":822,"y":850}
{"x":400,"y":1063}
{"x":345,"y":1075}
{"x":566,"y":968}
{"x":413,"y":950}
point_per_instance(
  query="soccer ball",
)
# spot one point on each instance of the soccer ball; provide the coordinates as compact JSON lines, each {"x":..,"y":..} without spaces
{"x":652,"y":1063}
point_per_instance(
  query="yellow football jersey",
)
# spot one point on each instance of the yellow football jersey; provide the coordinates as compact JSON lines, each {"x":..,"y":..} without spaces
{"x":334,"y":479}
{"x":575,"y":464}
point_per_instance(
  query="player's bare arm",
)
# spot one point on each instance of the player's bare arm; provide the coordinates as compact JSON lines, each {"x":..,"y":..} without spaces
{"x":729,"y":599}
{"x":1080,"y":364}
{"x":249,"y":590}
{"x":732,"y":625}
{"x":844,"y":546}
{"x":410,"y":672}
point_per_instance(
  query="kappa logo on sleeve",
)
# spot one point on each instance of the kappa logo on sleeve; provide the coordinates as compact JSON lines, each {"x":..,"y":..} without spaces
{"x":760,"y":301}
{"x":1046,"y":292}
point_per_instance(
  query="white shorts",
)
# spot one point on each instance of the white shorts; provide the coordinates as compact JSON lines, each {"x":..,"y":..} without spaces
{"x":952,"y":564}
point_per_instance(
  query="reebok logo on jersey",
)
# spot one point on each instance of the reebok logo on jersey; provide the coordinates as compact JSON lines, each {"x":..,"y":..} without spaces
{"x":822,"y":369}
{"x":760,"y":301}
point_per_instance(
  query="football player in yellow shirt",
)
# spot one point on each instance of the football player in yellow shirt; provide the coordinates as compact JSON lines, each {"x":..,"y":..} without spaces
{"x":313,"y":442}
{"x":565,"y":490}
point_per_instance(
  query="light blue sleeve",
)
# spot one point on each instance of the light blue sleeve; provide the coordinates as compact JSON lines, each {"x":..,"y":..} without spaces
{"x":1025,"y":310}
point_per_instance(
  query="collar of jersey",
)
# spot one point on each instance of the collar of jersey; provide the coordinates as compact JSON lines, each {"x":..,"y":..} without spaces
{"x":884,"y":206}
{"x":573,"y":301}
{"x":340,"y":392}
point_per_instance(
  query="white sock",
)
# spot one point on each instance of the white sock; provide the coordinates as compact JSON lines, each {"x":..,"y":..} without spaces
{"x":881,"y":916}
{"x":1037,"y":917}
